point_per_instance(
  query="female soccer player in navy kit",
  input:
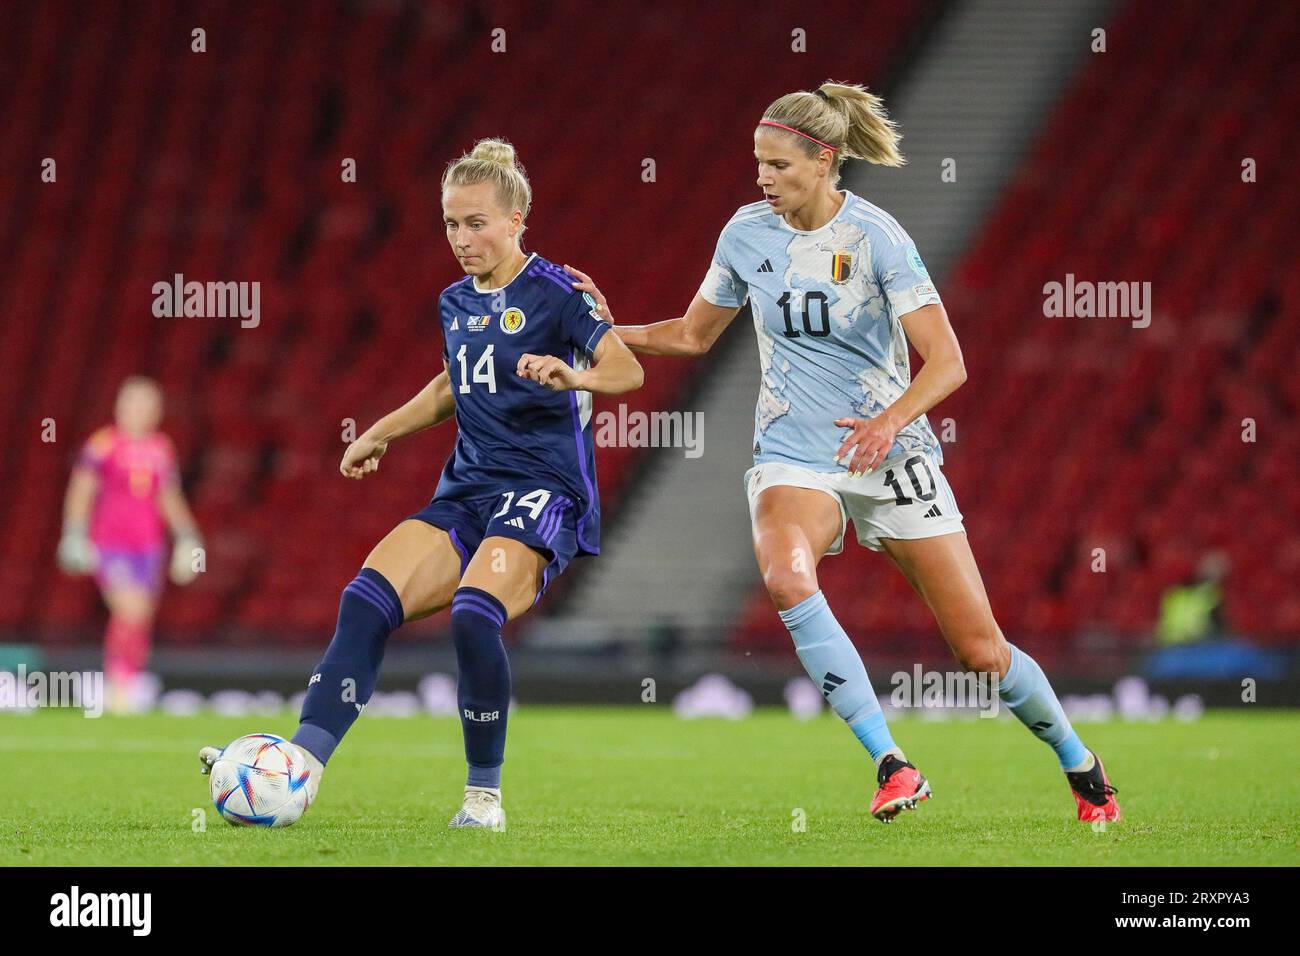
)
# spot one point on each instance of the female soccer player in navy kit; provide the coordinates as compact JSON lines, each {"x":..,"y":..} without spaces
{"x":517,"y":499}
{"x":837,"y":290}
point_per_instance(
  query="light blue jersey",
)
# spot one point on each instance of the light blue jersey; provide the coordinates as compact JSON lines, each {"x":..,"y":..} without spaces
{"x":826,"y":306}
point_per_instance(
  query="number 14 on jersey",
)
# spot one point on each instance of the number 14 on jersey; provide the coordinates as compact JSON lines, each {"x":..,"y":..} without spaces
{"x":484,"y":370}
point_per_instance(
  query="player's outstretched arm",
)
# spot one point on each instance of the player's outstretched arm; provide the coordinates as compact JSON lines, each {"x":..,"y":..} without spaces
{"x":692,"y":334}
{"x":615,"y":371}
{"x":431,"y":406}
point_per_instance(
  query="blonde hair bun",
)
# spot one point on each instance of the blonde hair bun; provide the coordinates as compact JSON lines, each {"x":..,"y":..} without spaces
{"x":495,"y":151}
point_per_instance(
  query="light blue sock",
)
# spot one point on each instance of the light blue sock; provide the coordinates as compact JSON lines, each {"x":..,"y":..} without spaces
{"x":1030,"y":697}
{"x":833,"y":663}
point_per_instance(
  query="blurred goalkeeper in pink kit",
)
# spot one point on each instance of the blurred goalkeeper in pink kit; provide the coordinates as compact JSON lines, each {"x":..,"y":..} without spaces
{"x":124,"y":495}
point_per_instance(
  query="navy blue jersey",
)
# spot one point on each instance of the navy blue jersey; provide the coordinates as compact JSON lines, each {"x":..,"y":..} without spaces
{"x":514,"y":432}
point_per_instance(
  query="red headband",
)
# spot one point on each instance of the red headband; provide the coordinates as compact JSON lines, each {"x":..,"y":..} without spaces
{"x":833,"y":149}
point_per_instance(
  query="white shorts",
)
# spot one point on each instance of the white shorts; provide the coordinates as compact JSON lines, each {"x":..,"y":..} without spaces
{"x":906,"y":497}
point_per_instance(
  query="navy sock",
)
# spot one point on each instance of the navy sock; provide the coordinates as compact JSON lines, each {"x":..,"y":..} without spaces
{"x":343,"y":681}
{"x":483,"y":684}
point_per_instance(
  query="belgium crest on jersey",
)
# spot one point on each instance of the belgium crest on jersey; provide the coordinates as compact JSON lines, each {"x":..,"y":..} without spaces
{"x":841,"y":266}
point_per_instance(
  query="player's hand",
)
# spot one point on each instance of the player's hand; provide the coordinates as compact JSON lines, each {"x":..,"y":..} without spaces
{"x":586,"y":285}
{"x":548,"y":371}
{"x":77,"y":555}
{"x":873,"y":438}
{"x":181,"y":570}
{"x":362,"y":457}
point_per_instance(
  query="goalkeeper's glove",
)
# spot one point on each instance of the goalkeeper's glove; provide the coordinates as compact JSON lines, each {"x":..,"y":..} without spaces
{"x":77,"y":554}
{"x":182,"y":564}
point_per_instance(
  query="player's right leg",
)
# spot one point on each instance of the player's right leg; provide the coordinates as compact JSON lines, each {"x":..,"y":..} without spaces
{"x":794,"y":526}
{"x":410,"y":574}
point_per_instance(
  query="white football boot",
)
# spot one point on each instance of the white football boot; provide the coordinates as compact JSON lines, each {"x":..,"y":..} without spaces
{"x":208,"y":756}
{"x":482,"y":809}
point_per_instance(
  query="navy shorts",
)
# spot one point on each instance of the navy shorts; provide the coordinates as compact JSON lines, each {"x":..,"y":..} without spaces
{"x":544,"y":520}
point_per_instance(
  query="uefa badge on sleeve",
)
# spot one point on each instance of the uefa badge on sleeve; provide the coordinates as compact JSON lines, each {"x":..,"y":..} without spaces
{"x":914,"y":260}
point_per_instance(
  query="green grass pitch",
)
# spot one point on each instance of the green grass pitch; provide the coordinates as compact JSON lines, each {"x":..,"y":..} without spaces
{"x":638,"y":786}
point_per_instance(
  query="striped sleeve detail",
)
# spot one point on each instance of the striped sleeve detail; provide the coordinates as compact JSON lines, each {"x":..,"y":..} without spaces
{"x":743,"y":216}
{"x":544,"y":270}
{"x":881,"y":219}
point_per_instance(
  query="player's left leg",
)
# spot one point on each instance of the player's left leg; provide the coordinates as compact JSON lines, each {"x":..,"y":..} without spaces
{"x":943,"y":572}
{"x":501,"y":582}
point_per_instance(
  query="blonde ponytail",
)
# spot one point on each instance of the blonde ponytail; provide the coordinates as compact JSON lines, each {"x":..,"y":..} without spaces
{"x":844,"y":116}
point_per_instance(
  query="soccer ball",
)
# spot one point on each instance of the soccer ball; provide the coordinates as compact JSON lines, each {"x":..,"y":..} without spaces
{"x":260,"y":780}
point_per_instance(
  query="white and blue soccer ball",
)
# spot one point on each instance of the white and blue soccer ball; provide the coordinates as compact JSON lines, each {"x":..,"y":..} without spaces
{"x":260,"y":780}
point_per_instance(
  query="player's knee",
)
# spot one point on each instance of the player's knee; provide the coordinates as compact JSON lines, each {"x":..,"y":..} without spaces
{"x":134,"y":612}
{"x":422,"y":606}
{"x":987,"y":654}
{"x":787,"y":587}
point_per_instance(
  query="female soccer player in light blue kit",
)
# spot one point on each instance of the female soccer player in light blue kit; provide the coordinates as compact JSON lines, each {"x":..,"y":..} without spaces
{"x":837,"y":289}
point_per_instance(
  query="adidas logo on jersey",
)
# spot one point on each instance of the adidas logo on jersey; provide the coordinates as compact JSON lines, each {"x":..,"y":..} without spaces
{"x":516,"y":523}
{"x":934,"y":512}
{"x":455,"y":325}
{"x":766,"y":266}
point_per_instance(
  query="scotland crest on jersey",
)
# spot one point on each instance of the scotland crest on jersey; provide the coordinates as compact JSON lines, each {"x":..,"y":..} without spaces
{"x":511,"y":432}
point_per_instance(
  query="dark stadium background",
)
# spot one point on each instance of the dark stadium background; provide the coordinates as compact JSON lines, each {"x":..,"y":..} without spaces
{"x":1072,"y":434}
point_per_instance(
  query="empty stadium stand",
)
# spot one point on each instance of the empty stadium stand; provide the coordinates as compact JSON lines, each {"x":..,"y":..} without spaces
{"x":1076,"y":434}
{"x":225,"y":165}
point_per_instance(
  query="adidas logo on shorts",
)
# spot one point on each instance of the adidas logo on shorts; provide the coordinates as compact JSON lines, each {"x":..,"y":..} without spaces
{"x":516,"y":523}
{"x":934,"y":512}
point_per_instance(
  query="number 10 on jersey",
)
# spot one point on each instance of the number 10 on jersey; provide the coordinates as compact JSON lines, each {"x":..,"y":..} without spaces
{"x":816,"y":314}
